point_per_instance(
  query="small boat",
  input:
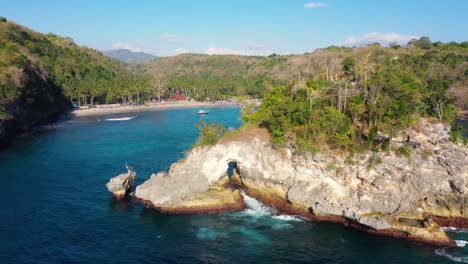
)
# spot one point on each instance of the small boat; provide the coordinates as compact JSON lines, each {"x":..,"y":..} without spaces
{"x":202,"y":112}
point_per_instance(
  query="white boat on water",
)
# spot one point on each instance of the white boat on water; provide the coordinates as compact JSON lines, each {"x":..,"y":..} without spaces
{"x":202,"y":112}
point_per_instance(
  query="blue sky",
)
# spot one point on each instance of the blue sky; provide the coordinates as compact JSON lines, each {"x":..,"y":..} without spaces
{"x":240,"y":26}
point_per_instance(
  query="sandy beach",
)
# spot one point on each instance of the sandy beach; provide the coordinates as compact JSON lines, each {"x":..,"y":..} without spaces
{"x":148,"y":107}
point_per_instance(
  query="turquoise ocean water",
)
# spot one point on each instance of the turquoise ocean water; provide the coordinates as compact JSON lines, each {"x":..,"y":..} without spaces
{"x":56,"y":209}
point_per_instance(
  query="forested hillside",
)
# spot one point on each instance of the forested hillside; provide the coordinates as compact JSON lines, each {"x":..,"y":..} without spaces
{"x":40,"y":75}
{"x":359,"y":98}
{"x":220,"y":76}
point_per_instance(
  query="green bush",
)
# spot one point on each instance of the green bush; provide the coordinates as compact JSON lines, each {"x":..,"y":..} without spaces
{"x":3,"y":19}
{"x":332,"y":122}
{"x":372,"y":134}
{"x":350,"y":161}
{"x":305,"y":146}
{"x":456,"y":134}
{"x":406,"y":151}
{"x":209,"y":133}
{"x":385,"y":144}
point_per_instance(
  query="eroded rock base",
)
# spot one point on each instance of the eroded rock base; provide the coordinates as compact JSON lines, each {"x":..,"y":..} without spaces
{"x":425,"y":231}
{"x":215,"y":200}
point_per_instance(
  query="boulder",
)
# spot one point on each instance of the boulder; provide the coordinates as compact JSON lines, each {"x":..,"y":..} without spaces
{"x":122,"y":184}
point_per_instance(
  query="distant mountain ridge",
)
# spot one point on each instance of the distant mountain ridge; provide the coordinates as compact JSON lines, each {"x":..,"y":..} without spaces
{"x":128,"y":56}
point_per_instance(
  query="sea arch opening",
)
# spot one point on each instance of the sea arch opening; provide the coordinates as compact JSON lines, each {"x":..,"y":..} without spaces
{"x":233,"y":169}
{"x":234,"y":174}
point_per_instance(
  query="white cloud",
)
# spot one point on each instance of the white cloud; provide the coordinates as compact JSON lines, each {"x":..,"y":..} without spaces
{"x":251,"y":49}
{"x":180,"y":51}
{"x":383,"y":38}
{"x":212,"y":50}
{"x":135,"y":47}
{"x":171,"y":38}
{"x":174,"y":52}
{"x":315,"y":5}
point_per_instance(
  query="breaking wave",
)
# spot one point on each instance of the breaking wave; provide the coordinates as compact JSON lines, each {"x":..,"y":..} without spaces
{"x":455,"y":230}
{"x":253,"y":224}
{"x":258,"y":209}
{"x":121,"y":118}
{"x":457,"y":257}
{"x":443,"y":252}
{"x":461,"y":243}
{"x":288,"y":218}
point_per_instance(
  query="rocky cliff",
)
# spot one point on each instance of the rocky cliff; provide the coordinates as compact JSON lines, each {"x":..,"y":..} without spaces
{"x":403,"y":196}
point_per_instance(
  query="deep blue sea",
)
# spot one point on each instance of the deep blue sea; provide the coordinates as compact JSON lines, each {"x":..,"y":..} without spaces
{"x":56,"y":209}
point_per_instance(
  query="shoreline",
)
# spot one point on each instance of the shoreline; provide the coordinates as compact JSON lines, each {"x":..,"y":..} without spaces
{"x":149,"y":107}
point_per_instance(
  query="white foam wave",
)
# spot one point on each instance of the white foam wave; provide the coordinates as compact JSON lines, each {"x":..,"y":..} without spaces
{"x":461,"y":243}
{"x":293,"y":218}
{"x":256,"y":208}
{"x":443,"y":252}
{"x":455,"y":230}
{"x":121,"y":118}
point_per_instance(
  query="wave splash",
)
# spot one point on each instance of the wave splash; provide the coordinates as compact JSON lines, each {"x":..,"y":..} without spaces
{"x":452,"y":256}
{"x":461,"y":243}
{"x":121,"y":118}
{"x":257,"y":209}
{"x":455,"y":230}
{"x":252,"y":224}
{"x":443,"y":252}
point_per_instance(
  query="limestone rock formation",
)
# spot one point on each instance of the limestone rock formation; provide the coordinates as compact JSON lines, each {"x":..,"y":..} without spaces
{"x":122,"y":184}
{"x":409,"y":197}
{"x":180,"y":193}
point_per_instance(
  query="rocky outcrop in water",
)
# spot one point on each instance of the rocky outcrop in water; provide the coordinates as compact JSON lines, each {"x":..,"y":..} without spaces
{"x":409,"y":197}
{"x":181,"y":193}
{"x":122,"y":184}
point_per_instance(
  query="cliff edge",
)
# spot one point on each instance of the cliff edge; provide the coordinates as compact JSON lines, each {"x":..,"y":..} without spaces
{"x":409,"y":196}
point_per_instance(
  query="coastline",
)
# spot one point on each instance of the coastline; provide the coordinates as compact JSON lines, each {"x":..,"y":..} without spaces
{"x":148,"y":107}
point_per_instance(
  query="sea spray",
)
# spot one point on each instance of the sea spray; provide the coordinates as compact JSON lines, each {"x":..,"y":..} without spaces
{"x":461,"y":243}
{"x":256,"y":208}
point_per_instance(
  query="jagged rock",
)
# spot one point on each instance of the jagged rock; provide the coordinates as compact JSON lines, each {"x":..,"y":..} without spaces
{"x":324,"y":187}
{"x":121,"y":185}
{"x":457,"y":184}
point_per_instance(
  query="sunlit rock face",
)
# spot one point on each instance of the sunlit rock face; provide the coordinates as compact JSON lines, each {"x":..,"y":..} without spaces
{"x":121,"y":185}
{"x":407,"y":197}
